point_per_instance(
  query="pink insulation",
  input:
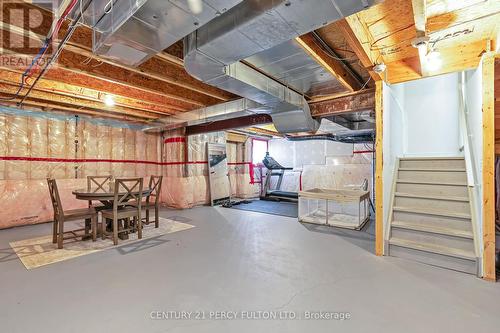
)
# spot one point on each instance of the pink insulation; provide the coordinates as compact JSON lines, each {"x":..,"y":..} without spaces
{"x":33,"y":148}
{"x":186,"y":174}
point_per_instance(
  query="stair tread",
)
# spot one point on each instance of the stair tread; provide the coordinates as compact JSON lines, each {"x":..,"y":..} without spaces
{"x":434,"y":197}
{"x":433,"y":229}
{"x":425,"y":158}
{"x":433,"y":248}
{"x":432,"y":212}
{"x":431,"y":182}
{"x":434,"y":169}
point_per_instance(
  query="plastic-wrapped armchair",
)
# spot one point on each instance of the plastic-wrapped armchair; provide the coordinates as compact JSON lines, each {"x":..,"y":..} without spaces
{"x":61,"y":217}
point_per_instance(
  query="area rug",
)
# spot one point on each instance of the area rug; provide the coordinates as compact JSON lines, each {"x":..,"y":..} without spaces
{"x":40,"y":251}
{"x":281,"y":208}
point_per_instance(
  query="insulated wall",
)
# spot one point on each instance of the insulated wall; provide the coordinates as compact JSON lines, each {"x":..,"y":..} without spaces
{"x":322,"y":164}
{"x":37,"y":145}
{"x":186,"y":172}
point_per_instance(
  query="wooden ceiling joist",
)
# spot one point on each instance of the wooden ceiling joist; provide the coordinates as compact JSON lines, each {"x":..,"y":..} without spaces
{"x":162,"y":67}
{"x":159,"y":87}
{"x":362,"y":101}
{"x":47,"y":85}
{"x":458,"y":32}
{"x":358,"y":39}
{"x":54,"y":107}
{"x":336,"y":67}
{"x":9,"y":89}
{"x":75,"y":61}
{"x":420,"y":18}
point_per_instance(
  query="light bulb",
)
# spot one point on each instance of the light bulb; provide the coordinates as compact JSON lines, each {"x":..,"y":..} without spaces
{"x":108,"y":100}
{"x":434,"y":61}
{"x":196,"y":6}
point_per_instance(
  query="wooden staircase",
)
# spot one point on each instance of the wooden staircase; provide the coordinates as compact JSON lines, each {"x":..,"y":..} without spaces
{"x":431,"y":217}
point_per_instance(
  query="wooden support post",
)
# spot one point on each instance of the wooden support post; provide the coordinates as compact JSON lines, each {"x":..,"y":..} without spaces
{"x":379,"y":189}
{"x":489,"y":167}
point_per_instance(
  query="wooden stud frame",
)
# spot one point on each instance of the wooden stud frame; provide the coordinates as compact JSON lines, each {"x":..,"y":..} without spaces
{"x":379,"y":188}
{"x":488,"y":204}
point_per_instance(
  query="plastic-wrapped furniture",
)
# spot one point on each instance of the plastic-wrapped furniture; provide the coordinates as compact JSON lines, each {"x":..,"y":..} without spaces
{"x":337,"y":208}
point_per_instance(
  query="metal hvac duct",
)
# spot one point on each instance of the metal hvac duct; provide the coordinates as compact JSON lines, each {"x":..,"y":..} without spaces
{"x":213,"y":52}
{"x":132,"y":31}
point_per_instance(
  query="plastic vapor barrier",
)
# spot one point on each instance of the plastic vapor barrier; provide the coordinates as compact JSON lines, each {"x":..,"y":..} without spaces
{"x":37,"y":145}
{"x":185,"y":168}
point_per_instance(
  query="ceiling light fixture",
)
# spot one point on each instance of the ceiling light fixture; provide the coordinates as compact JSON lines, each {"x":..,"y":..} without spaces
{"x":434,"y":61}
{"x":379,"y":68}
{"x":196,"y":6}
{"x":108,"y":100}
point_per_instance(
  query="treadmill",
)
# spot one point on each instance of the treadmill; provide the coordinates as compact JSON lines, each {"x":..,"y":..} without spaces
{"x":276,"y":170}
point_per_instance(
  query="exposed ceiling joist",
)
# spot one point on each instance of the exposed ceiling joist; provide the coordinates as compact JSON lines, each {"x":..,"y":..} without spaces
{"x":48,"y":85}
{"x":359,"y":40}
{"x":420,"y":18}
{"x":335,"y":66}
{"x":9,"y":89}
{"x":458,"y":32}
{"x":54,"y":107}
{"x":362,"y":101}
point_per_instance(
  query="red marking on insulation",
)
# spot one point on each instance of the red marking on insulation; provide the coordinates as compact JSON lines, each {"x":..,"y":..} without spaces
{"x":175,"y":139}
{"x":97,"y":160}
{"x":363,"y":151}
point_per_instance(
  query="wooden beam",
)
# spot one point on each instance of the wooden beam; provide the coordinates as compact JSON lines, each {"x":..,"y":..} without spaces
{"x":47,"y":85}
{"x":335,"y":96}
{"x":178,"y":85}
{"x":357,"y":36}
{"x":419,"y":14}
{"x":420,"y":18}
{"x":54,"y":107}
{"x":9,"y":89}
{"x":488,"y":204}
{"x":221,"y":125}
{"x":362,"y":101}
{"x":379,"y":169}
{"x":263,"y":131}
{"x":336,"y":67}
{"x":164,"y":67}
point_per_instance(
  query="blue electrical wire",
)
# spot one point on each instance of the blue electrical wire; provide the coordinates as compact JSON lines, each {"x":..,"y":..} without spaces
{"x":23,"y":76}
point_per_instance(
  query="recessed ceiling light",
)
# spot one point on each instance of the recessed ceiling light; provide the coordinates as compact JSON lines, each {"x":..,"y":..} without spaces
{"x":108,"y":100}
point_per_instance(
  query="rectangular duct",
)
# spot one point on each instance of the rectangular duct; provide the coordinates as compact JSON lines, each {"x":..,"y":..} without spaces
{"x":132,"y":31}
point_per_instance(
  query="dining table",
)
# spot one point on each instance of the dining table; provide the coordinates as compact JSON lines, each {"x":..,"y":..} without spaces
{"x":106,"y":197}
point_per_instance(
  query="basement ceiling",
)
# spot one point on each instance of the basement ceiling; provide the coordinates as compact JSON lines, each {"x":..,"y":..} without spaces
{"x":80,"y":81}
{"x":459,"y":30}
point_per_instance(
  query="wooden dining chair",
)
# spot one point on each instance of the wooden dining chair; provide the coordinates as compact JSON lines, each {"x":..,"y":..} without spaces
{"x":98,"y":184}
{"x":61,"y":217}
{"x":126,"y":191}
{"x":153,"y":200}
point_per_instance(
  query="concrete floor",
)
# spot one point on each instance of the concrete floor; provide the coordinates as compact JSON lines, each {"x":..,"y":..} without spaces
{"x":240,"y":261}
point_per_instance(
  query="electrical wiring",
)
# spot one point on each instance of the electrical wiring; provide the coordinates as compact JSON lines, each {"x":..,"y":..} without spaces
{"x":34,"y":63}
{"x":54,"y":31}
{"x":69,"y":32}
{"x":364,"y":85}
